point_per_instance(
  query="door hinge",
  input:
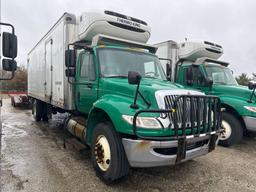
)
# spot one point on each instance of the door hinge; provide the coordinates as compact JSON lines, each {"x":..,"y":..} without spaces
{"x":51,"y":41}
{"x":51,"y":68}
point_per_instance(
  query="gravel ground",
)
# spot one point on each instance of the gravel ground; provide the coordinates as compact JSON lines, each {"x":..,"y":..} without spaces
{"x":33,"y":159}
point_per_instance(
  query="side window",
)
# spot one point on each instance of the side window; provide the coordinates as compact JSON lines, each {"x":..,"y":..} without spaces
{"x":87,"y":69}
{"x":198,"y":78}
{"x":150,"y":69}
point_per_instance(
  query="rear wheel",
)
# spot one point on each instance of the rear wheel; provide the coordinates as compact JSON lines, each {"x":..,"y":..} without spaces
{"x":13,"y":102}
{"x":108,"y":155}
{"x":232,"y":130}
{"x":37,"y":109}
{"x":45,"y":107}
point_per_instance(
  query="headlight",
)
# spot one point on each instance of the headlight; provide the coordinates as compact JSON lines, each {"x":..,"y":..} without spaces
{"x":143,"y":122}
{"x":250,"y":108}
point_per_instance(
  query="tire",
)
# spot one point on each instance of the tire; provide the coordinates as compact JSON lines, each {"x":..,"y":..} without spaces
{"x":233,"y":130}
{"x":13,"y":102}
{"x":37,"y":110}
{"x":118,"y":167}
{"x":45,"y":112}
{"x":45,"y":118}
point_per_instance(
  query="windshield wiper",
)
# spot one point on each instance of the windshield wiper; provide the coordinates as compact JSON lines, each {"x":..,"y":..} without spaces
{"x":116,"y":76}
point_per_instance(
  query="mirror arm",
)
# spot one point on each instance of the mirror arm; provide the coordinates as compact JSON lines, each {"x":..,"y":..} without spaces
{"x":253,"y":94}
{"x":134,"y":105}
{"x":144,"y":99}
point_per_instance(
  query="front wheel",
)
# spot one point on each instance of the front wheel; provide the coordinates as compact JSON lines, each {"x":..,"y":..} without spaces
{"x":232,"y":130}
{"x":108,"y":155}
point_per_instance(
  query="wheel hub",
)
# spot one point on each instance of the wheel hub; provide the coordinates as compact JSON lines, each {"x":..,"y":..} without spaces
{"x":102,"y":153}
{"x":226,"y":132}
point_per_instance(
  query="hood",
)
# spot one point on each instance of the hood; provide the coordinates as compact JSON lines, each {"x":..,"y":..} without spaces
{"x":241,"y":92}
{"x":148,"y":87}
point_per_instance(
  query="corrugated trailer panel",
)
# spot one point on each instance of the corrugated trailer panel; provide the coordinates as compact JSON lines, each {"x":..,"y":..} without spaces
{"x":46,"y":67}
{"x":36,"y":72}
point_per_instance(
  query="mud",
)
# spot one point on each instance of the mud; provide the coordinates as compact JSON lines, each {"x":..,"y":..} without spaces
{"x":33,"y":159}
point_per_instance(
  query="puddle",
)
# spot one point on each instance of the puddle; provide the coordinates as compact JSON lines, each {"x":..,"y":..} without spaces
{"x":12,"y":131}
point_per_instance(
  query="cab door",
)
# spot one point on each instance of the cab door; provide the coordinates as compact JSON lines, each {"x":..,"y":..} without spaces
{"x":87,"y":82}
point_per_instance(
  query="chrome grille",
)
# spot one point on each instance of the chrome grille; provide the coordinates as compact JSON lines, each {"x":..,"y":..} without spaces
{"x":185,"y":116}
{"x":191,"y":112}
{"x":196,"y":110}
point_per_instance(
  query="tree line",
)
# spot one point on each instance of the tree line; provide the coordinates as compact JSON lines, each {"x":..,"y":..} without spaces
{"x":244,"y":79}
{"x":17,"y":84}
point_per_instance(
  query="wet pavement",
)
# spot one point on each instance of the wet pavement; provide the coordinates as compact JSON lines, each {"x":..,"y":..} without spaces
{"x":33,"y":159}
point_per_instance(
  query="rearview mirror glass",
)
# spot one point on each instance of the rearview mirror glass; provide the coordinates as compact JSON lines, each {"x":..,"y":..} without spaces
{"x":134,"y":77}
{"x":9,"y":45}
{"x":189,"y":76}
{"x":9,"y":65}
{"x":252,"y":85}
{"x":70,"y":59}
{"x":168,"y":71}
{"x":70,"y":72}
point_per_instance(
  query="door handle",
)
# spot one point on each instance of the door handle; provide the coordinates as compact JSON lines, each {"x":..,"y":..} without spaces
{"x":89,"y":85}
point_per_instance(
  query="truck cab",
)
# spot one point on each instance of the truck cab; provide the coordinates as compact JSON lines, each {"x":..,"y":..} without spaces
{"x":120,"y":102}
{"x":197,"y":66}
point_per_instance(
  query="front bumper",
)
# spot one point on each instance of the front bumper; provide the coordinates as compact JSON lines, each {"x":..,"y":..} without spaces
{"x":250,"y":123}
{"x":146,"y":153}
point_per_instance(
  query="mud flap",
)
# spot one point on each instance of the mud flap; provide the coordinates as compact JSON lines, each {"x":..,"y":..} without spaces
{"x":181,"y":150}
{"x":212,"y":142}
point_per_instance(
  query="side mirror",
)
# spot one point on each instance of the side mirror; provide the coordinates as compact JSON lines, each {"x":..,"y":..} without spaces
{"x":209,"y":82}
{"x":70,"y":59}
{"x":9,"y":45}
{"x":168,"y":71}
{"x":252,"y":85}
{"x":134,"y":77}
{"x":189,"y":76}
{"x":9,"y":65}
{"x":70,"y":72}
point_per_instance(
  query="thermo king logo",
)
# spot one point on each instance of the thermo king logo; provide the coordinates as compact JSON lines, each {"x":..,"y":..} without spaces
{"x":127,"y":22}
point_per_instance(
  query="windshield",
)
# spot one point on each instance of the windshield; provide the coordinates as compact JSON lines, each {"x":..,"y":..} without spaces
{"x":117,"y":63}
{"x":220,"y":75}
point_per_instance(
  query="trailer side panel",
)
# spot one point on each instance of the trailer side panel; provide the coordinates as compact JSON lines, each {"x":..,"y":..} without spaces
{"x":46,"y":67}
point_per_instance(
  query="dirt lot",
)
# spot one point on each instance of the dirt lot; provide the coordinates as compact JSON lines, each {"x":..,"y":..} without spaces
{"x":33,"y":159}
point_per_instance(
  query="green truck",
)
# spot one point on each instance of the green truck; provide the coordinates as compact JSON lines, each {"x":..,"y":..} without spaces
{"x":99,"y":69}
{"x":196,"y":65}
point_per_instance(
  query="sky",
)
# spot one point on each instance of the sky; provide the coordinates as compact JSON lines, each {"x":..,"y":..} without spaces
{"x":230,"y":23}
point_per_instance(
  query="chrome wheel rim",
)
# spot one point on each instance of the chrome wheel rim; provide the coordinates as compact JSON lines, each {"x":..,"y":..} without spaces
{"x":102,"y":152}
{"x":226,"y":132}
